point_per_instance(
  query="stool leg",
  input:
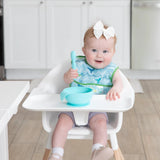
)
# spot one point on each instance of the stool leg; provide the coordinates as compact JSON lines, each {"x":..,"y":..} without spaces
{"x":46,"y":154}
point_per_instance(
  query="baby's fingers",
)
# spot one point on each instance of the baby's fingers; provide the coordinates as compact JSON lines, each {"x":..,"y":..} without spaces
{"x":108,"y":96}
{"x":73,"y":74}
{"x":118,"y":95}
{"x":112,"y":96}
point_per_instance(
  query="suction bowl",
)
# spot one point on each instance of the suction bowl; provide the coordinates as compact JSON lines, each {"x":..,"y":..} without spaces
{"x":77,"y":96}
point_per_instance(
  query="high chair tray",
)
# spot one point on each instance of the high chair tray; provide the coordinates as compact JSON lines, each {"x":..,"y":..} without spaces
{"x":52,"y":102}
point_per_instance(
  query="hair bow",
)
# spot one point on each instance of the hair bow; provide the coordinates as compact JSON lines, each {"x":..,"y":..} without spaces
{"x":99,"y":30}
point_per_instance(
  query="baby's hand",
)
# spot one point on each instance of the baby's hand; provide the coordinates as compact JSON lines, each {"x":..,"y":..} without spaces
{"x":113,"y":94}
{"x":70,"y":75}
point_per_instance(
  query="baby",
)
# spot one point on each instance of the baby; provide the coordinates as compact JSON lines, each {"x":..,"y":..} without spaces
{"x":94,"y":70}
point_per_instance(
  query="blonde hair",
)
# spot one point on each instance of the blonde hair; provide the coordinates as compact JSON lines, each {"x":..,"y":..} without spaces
{"x":90,"y":34}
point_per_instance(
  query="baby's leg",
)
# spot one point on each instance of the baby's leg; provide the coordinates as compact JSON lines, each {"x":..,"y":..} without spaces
{"x":64,"y":124}
{"x":98,"y":125}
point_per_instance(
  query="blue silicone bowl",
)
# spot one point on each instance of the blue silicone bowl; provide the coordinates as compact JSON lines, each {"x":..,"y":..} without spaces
{"x":77,"y":96}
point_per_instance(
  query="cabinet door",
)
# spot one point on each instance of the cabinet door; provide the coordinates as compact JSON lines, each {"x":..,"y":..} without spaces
{"x":116,"y":14}
{"x":24,"y":29}
{"x":66,"y":23}
{"x":145,"y":35}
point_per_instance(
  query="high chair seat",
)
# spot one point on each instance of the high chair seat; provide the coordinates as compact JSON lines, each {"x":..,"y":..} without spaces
{"x":45,"y":98}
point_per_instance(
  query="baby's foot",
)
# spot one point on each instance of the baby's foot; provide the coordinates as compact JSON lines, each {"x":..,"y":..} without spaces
{"x":55,"y":157}
{"x":104,"y":153}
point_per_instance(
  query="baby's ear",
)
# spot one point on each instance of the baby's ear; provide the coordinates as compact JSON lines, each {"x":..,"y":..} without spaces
{"x":84,"y":50}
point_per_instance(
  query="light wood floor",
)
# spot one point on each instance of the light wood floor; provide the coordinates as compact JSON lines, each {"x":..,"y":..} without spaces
{"x":139,"y":138}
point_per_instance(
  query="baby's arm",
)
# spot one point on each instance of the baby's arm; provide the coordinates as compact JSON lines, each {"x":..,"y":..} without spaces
{"x":117,"y":87}
{"x":70,"y":75}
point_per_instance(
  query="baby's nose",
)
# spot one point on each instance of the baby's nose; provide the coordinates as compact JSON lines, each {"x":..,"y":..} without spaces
{"x":99,"y":54}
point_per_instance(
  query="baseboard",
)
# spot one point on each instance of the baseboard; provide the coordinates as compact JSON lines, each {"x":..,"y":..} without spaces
{"x":25,"y":74}
{"x":142,"y":74}
{"x":36,"y":74}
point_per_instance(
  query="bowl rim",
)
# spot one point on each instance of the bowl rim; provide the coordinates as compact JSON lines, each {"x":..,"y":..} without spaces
{"x":87,"y":89}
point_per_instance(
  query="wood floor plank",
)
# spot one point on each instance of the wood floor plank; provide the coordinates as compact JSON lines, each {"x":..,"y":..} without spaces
{"x":78,"y":150}
{"x":154,"y":93}
{"x":129,"y":137}
{"x":33,"y":116}
{"x":41,"y":143}
{"x":15,"y":123}
{"x":10,"y":138}
{"x":152,"y":149}
{"x":149,"y":124}
{"x":29,"y":132}
{"x":134,"y":157}
{"x":37,"y":155}
{"x":21,"y":151}
{"x":143,"y":104}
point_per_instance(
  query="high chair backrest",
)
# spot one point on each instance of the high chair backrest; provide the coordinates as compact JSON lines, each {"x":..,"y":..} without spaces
{"x":53,"y":82}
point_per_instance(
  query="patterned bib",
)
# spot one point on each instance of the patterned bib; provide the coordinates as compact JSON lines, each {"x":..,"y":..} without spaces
{"x":100,"y":80}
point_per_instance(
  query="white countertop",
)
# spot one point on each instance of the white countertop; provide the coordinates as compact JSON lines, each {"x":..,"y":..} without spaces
{"x":11,"y":94}
{"x":11,"y":91}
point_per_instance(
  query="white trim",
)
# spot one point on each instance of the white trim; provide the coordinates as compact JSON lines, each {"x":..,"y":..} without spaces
{"x":25,"y":73}
{"x":36,"y":74}
{"x":142,"y":74}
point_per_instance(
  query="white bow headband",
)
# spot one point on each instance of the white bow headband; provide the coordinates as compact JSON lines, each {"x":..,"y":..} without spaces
{"x":99,"y":30}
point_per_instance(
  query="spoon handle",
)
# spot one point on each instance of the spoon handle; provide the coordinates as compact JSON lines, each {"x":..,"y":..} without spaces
{"x":73,"y":58}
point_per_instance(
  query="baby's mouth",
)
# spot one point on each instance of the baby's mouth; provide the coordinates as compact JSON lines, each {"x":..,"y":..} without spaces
{"x":98,"y":61}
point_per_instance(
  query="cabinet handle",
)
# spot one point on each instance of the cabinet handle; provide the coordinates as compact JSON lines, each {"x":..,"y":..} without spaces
{"x":83,"y":3}
{"x":90,"y":2}
{"x":41,"y":2}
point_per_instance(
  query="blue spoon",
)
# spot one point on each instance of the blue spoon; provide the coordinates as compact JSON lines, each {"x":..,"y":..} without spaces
{"x":73,"y":59}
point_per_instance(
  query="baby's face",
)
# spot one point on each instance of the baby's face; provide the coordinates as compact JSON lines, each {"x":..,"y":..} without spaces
{"x":99,"y":52}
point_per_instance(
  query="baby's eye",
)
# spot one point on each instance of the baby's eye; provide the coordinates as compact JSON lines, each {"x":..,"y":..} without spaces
{"x":105,"y":51}
{"x":94,"y":50}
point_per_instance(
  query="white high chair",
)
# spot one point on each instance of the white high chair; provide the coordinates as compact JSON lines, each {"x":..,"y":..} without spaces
{"x":54,"y":83}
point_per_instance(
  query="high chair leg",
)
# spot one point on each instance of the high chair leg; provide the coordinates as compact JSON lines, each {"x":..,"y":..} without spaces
{"x":46,"y":154}
{"x":118,"y":154}
{"x":109,"y":143}
{"x":114,"y":143}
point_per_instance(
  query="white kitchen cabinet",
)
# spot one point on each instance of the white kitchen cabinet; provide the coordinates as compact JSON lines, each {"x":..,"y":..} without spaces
{"x":24,"y":34}
{"x":67,"y":22}
{"x":145,"y":35}
{"x":65,"y":26}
